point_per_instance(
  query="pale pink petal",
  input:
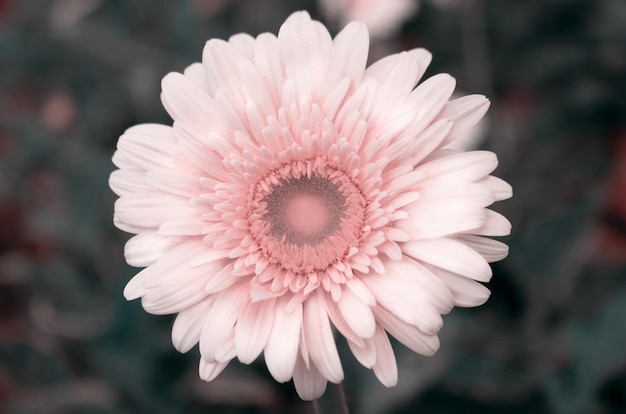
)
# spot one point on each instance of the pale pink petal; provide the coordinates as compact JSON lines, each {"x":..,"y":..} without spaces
{"x":365,"y":353}
{"x":126,"y":182}
{"x":396,"y":76}
{"x":147,"y":147}
{"x":409,"y":335}
{"x":491,"y":250}
{"x":219,"y":59}
{"x":357,"y":314}
{"x":467,"y":292}
{"x":385,"y":368}
{"x":150,"y":210}
{"x":195,"y":72}
{"x":349,"y":54}
{"x":339,"y":322}
{"x":244,"y":44}
{"x":403,"y":291}
{"x":185,"y":101}
{"x":466,"y":112}
{"x":430,"y":97}
{"x":146,"y":248}
{"x":304,"y":47}
{"x":437,"y":219}
{"x":219,"y":324}
{"x":309,"y":383}
{"x":319,"y":337}
{"x":268,"y":63}
{"x":501,"y":188}
{"x":188,"y":325}
{"x":173,"y":261}
{"x":186,"y":226}
{"x":174,"y":182}
{"x":361,"y":291}
{"x":181,"y":290}
{"x":450,"y":254}
{"x":495,"y":225}
{"x":423,"y":58}
{"x":281,"y":350}
{"x":468,"y":166}
{"x":253,"y":329}
{"x":208,"y":371}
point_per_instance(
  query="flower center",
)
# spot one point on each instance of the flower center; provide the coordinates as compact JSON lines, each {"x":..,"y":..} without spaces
{"x":305,"y":210}
{"x":306,"y":215}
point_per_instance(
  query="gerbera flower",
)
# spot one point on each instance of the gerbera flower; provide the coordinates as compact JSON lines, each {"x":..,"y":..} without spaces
{"x":298,"y":194}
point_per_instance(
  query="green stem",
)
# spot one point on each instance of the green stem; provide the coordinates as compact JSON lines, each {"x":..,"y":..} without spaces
{"x":332,"y":402}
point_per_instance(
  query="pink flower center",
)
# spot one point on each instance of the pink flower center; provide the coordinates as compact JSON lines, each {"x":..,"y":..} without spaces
{"x":306,"y":215}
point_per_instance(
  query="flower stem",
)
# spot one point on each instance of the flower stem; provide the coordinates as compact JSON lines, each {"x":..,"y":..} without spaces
{"x":332,"y":402}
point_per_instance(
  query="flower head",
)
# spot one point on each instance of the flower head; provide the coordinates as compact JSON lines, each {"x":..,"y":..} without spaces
{"x":298,"y":193}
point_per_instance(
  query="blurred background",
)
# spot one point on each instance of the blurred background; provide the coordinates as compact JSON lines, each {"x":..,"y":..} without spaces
{"x":74,"y":74}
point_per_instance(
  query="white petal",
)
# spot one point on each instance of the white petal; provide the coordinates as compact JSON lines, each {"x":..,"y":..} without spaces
{"x":220,"y":320}
{"x":359,"y":289}
{"x":396,"y":76}
{"x":244,"y":44}
{"x":221,"y":280}
{"x":208,"y":371}
{"x":441,"y":220}
{"x":188,"y":325}
{"x":466,"y":112}
{"x":183,"y":289}
{"x":357,"y":314}
{"x":466,"y":166}
{"x":338,"y":320}
{"x":491,"y":250}
{"x":495,"y":225}
{"x":267,"y":62}
{"x":366,"y":354}
{"x":309,"y":383}
{"x":467,"y":292}
{"x":150,"y":210}
{"x":446,"y":208}
{"x":408,"y":334}
{"x":385,"y":368}
{"x":186,"y":102}
{"x":429,"y":98}
{"x":184,"y":226}
{"x":304,"y":47}
{"x":501,"y":188}
{"x":450,"y":254}
{"x":147,"y":147}
{"x":146,"y":248}
{"x":411,"y":293}
{"x":125,"y":182}
{"x":406,"y":149}
{"x":253,"y":329}
{"x":319,"y":338}
{"x":423,"y":58}
{"x":174,"y":261}
{"x":174,"y":182}
{"x":220,"y":61}
{"x":281,"y":350}
{"x":195,"y":73}
{"x":349,"y":54}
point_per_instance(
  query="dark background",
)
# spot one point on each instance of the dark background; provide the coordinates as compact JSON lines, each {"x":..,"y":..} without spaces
{"x":552,"y":338}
